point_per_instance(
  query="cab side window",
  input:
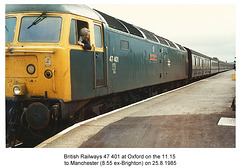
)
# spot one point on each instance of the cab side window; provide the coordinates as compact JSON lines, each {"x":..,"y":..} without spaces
{"x":76,"y":26}
{"x":73,"y":33}
{"x":98,"y":36}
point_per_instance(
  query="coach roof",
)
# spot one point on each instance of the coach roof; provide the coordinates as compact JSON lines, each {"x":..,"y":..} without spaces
{"x":81,"y":10}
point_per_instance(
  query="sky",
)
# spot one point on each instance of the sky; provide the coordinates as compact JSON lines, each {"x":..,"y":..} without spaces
{"x":207,"y":28}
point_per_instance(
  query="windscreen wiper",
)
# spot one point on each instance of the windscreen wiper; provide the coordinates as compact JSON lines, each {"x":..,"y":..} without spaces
{"x":38,"y":20}
{"x":6,"y":28}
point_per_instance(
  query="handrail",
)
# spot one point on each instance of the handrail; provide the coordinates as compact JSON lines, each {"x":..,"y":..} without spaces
{"x":106,"y":69}
{"x":26,"y":51}
{"x":54,"y":84}
{"x":94,"y":67}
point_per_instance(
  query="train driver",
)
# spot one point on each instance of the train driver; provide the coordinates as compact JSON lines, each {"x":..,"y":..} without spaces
{"x":83,"y":40}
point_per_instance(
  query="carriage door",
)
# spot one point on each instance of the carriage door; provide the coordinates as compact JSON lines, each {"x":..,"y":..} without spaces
{"x":98,"y":58}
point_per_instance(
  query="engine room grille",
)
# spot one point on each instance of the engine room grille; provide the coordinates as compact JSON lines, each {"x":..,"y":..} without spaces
{"x":181,"y":48}
{"x":132,"y":29}
{"x":112,"y":22}
{"x":162,"y":41}
{"x":171,"y":43}
{"x":149,"y":35}
{"x":128,"y":28}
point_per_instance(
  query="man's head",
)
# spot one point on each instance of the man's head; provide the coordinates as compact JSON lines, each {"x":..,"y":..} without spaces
{"x":84,"y":33}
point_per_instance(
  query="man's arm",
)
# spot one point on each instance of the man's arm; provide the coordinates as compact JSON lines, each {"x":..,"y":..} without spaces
{"x":86,"y":45}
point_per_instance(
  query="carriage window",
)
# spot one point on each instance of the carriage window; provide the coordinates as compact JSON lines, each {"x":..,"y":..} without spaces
{"x":196,"y":61}
{"x":98,"y":36}
{"x":48,"y":30}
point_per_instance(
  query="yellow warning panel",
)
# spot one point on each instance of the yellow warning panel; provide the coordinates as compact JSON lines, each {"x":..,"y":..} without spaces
{"x":233,"y":76}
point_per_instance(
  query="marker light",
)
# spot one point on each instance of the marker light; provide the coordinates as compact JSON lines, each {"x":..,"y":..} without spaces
{"x":31,"y":69}
{"x":48,"y":74}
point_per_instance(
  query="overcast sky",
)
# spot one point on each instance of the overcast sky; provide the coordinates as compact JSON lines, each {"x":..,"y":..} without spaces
{"x":209,"y":29}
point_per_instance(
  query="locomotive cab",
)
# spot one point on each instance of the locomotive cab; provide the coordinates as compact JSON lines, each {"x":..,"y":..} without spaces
{"x":41,"y":55}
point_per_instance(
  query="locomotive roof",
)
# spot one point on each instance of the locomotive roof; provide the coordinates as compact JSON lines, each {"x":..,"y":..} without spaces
{"x":202,"y":55}
{"x":82,"y":10}
{"x":86,"y":11}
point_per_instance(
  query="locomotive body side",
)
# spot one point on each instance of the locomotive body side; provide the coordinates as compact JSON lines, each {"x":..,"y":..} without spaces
{"x":143,"y":63}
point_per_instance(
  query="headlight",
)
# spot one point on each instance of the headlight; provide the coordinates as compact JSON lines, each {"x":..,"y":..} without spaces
{"x":16,"y":90}
{"x":19,"y":89}
{"x":31,"y":69}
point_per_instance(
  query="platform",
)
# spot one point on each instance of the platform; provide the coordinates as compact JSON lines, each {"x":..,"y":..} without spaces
{"x":186,"y":117}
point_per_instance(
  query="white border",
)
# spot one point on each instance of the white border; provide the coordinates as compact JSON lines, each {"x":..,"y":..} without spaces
{"x":187,"y":158}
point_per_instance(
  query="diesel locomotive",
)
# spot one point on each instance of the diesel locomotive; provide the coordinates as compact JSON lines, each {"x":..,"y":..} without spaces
{"x":50,"y":78}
